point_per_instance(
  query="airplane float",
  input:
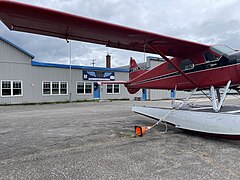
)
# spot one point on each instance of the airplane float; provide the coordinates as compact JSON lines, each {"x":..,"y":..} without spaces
{"x":193,"y":66}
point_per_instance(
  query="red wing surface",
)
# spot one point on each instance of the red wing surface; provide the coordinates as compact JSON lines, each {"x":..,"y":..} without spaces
{"x":27,"y":18}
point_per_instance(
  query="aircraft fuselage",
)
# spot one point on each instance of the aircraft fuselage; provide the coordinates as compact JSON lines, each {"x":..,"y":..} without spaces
{"x":200,"y":68}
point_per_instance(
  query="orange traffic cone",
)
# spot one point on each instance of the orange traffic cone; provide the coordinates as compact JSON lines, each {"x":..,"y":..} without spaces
{"x":140,"y":131}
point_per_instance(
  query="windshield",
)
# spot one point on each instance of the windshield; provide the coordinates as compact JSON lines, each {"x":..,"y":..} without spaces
{"x":222,"y":49}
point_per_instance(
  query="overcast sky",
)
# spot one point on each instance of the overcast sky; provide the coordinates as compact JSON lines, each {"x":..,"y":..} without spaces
{"x":204,"y":21}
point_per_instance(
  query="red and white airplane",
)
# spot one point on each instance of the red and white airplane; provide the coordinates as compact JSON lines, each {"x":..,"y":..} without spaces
{"x":193,"y":67}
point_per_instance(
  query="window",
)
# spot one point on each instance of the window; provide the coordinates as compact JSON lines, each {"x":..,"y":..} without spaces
{"x":63,"y":88}
{"x":84,"y":87}
{"x":54,"y":88}
{"x":222,"y":49}
{"x":186,"y":64}
{"x":6,"y":88}
{"x":210,"y":57}
{"x":46,"y":88}
{"x":17,"y":88}
{"x":88,"y":88}
{"x":109,"y":88}
{"x":80,"y":87}
{"x":11,"y":88}
{"x":113,"y":89}
{"x":116,"y":88}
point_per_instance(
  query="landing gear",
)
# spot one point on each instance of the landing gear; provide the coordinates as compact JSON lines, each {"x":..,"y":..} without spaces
{"x":217,"y":103}
{"x":186,"y":99}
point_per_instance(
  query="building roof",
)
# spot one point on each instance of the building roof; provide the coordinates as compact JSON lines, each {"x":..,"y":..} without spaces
{"x":67,"y":66}
{"x":44,"y":64}
{"x":17,"y":47}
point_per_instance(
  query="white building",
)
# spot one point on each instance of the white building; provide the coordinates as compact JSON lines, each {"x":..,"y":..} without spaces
{"x":24,"y":80}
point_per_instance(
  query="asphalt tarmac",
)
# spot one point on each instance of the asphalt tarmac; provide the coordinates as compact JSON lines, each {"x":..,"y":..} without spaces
{"x":95,"y":140}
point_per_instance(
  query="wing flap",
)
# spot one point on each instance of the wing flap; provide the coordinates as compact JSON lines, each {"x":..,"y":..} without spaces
{"x":32,"y":19}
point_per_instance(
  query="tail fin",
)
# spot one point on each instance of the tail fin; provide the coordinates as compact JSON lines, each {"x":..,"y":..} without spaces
{"x":134,"y":70}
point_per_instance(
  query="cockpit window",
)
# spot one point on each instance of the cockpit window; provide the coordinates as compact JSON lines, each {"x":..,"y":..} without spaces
{"x":209,"y":56}
{"x":186,"y":64}
{"x":222,"y":49}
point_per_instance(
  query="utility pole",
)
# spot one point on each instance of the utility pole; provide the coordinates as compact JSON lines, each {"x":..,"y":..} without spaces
{"x":93,"y":62}
{"x":70,"y":71}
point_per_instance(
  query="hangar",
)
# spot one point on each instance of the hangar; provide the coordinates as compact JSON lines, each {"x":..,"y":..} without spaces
{"x":25,"y":80}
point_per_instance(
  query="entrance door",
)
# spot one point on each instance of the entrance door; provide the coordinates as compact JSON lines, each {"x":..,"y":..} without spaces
{"x":144,"y":94}
{"x":96,"y":93}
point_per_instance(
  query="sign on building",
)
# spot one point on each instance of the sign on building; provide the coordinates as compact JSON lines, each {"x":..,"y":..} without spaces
{"x":98,"y":76}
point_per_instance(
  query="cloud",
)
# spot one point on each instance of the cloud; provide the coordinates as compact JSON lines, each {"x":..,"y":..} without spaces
{"x":210,"y":22}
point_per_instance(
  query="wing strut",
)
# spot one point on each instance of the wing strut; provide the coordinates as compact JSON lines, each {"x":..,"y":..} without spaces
{"x":169,"y":61}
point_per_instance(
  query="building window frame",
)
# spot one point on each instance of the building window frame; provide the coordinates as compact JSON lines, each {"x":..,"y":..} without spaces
{"x":84,"y":87}
{"x":58,"y":88}
{"x":113,"y":88}
{"x":61,"y":89}
{"x":46,"y":88}
{"x":12,"y":88}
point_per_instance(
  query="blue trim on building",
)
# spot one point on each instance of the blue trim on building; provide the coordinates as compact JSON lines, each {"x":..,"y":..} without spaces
{"x":16,"y":46}
{"x":43,"y":64}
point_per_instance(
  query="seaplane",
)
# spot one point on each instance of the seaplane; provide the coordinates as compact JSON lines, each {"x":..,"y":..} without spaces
{"x":188,"y":66}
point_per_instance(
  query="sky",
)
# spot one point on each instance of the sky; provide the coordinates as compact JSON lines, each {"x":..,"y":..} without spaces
{"x":204,"y":21}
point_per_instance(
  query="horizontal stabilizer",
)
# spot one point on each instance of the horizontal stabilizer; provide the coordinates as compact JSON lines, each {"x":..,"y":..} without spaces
{"x":112,"y":82}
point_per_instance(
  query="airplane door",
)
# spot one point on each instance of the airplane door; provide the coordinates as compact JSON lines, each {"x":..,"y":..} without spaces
{"x":96,"y":92}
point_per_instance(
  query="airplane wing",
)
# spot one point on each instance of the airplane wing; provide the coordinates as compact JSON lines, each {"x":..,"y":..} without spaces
{"x":27,"y":18}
